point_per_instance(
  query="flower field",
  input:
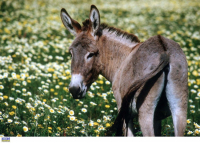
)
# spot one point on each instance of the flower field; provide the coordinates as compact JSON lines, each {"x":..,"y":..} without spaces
{"x":35,"y":64}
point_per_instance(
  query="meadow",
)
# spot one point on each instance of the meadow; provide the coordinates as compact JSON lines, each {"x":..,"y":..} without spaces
{"x":35,"y":64}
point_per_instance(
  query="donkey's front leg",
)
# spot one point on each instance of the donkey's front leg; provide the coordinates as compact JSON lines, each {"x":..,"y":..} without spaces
{"x":130,"y":130}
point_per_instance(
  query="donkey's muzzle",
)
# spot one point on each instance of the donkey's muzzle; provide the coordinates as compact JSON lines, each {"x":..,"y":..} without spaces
{"x":75,"y":91}
{"x":76,"y":87}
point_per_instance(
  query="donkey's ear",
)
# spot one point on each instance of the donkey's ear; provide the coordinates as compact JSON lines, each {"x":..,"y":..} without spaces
{"x":94,"y":18}
{"x":73,"y":26}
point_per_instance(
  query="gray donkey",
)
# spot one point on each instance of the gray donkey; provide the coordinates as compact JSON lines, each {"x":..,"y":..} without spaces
{"x":148,"y":79}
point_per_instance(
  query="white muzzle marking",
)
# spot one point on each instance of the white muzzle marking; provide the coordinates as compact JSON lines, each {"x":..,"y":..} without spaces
{"x":77,"y":81}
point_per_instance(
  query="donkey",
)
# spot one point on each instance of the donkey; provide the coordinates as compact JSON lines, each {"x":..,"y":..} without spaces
{"x":149,"y":79}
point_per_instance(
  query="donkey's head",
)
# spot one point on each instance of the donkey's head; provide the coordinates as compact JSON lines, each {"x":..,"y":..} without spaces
{"x":84,"y":52}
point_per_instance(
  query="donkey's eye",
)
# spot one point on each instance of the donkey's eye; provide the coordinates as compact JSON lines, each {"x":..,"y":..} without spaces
{"x":90,"y":55}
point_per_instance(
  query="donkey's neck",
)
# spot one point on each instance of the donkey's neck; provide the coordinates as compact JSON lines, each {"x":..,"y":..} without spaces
{"x":113,"y":49}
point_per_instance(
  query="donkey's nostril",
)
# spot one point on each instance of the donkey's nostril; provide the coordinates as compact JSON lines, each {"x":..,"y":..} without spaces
{"x":74,"y":90}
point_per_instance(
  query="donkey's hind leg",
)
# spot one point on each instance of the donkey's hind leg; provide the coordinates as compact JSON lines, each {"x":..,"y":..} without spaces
{"x":177,"y":96}
{"x":147,"y":102}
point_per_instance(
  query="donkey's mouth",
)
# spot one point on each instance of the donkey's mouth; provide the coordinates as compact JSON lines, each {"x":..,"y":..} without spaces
{"x":79,"y":93}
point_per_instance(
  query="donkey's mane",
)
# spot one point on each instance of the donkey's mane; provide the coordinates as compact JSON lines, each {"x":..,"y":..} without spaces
{"x":118,"y":32}
{"x":86,"y":25}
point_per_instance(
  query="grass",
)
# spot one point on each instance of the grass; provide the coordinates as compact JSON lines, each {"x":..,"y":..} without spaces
{"x":35,"y":64}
